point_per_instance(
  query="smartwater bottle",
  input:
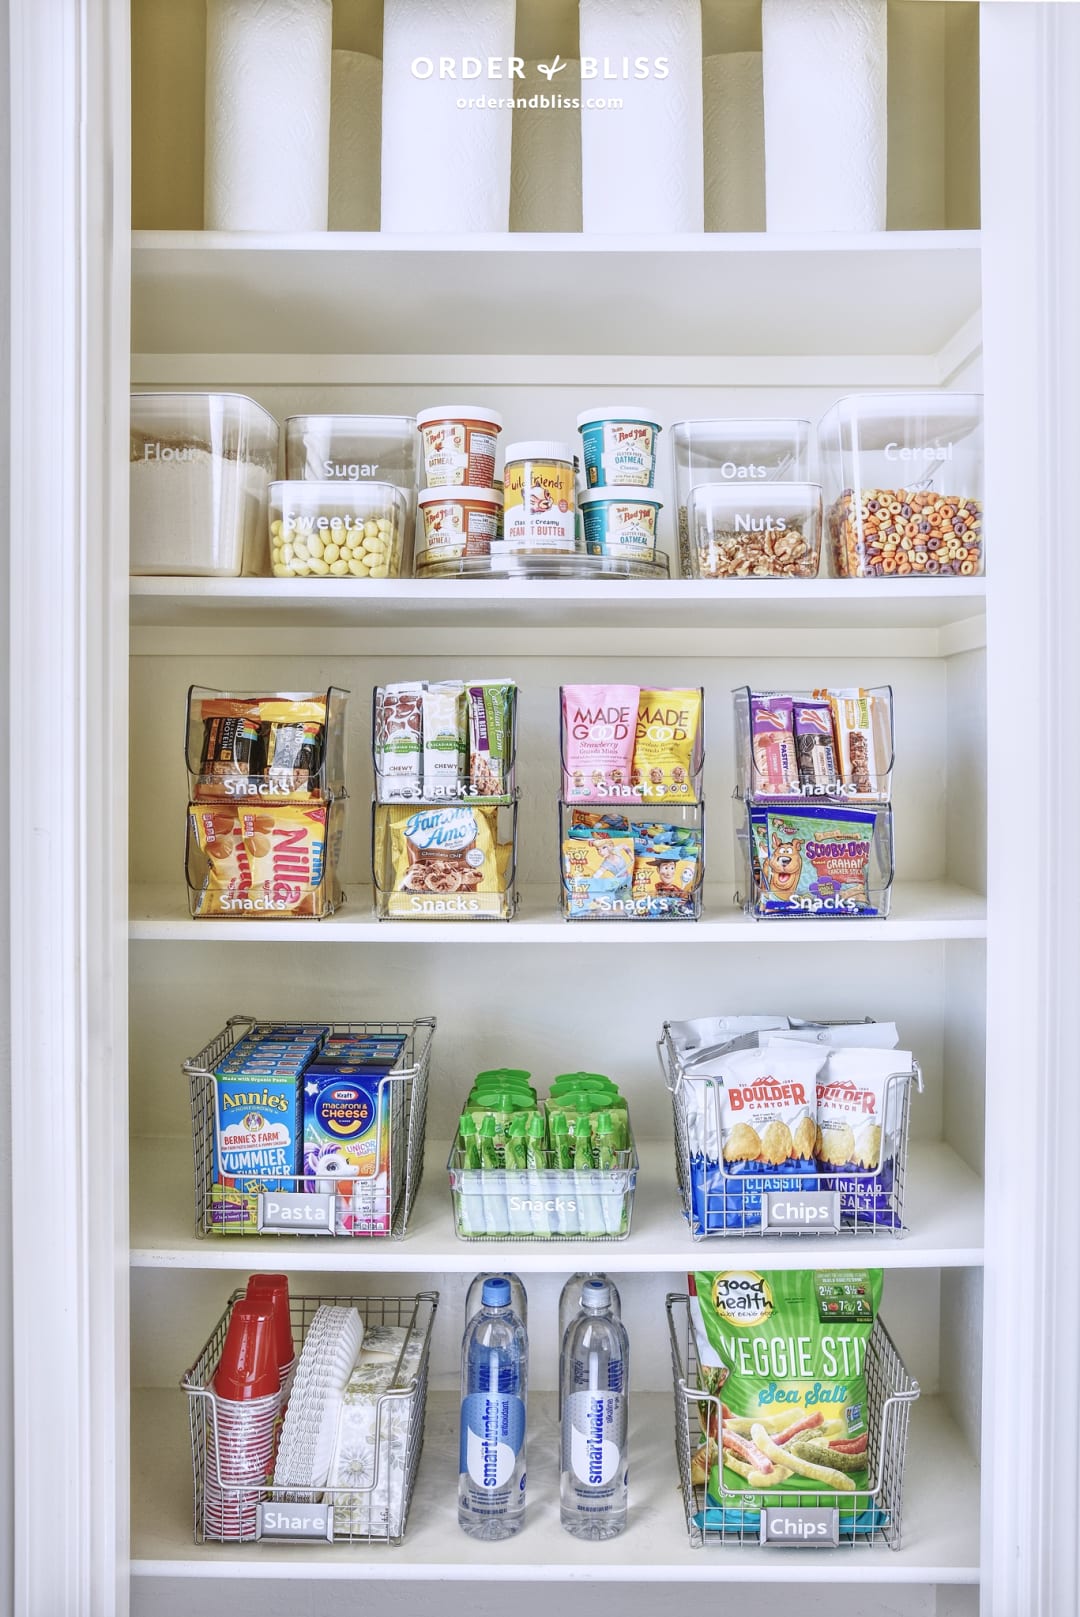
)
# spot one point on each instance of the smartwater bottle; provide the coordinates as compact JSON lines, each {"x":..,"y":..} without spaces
{"x":494,"y":1384}
{"x":593,"y":1377}
{"x":570,"y":1305}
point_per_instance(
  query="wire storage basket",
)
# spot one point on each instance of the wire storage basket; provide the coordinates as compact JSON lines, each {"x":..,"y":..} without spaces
{"x":544,"y":1204}
{"x":307,"y":1203}
{"x":719,"y":1202}
{"x":371,"y":1480}
{"x":752,"y":1516}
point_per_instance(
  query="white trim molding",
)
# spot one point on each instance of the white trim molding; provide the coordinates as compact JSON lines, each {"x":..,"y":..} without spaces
{"x":1031,"y":271}
{"x":68,"y":104}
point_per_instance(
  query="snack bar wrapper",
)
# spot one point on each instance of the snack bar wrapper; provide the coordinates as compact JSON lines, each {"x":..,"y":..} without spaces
{"x":599,"y":723}
{"x":772,"y":741}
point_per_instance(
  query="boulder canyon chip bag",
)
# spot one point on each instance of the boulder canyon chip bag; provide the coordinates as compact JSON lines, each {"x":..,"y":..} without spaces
{"x":756,"y":1118}
{"x":786,"y":1352}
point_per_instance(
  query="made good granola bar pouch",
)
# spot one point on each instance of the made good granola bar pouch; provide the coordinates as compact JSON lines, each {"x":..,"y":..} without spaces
{"x":756,"y":1121}
{"x":786,"y":1352}
{"x":598,"y":724}
{"x":665,"y":746}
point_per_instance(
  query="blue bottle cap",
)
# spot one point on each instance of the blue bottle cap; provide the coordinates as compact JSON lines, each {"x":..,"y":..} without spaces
{"x":496,"y":1293}
{"x":595,"y":1294}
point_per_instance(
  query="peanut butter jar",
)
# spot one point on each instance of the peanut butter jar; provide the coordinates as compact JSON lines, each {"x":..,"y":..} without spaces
{"x":538,"y":509}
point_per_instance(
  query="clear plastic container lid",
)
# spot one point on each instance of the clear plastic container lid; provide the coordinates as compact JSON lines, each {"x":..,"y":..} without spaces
{"x":223,"y":423}
{"x":352,"y":448}
{"x":740,"y":451}
{"x":924,"y":438}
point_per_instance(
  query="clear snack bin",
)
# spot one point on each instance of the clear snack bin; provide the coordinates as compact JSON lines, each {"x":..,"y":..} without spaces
{"x":262,"y":747}
{"x":734,"y":453}
{"x":273,"y":861}
{"x":754,"y":530}
{"x":814,"y":861}
{"x":201,"y":465}
{"x":748,"y":1516}
{"x":298,"y":1204}
{"x":375,"y":1450}
{"x":449,"y":860}
{"x":337,"y":530}
{"x":545,"y":1203}
{"x":608,"y":877}
{"x":352,"y":449}
{"x":718,"y":1202}
{"x":903,"y":476}
{"x":795,"y":746}
{"x":482,"y":771}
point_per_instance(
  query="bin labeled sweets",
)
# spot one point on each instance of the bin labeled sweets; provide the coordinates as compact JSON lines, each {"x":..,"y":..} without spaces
{"x":565,"y":1170}
{"x":309,"y":1128}
{"x":201,"y":465}
{"x":904,"y":485}
{"x":266,"y":780}
{"x":813,"y":820}
{"x":789,"y":1127}
{"x":337,"y":529}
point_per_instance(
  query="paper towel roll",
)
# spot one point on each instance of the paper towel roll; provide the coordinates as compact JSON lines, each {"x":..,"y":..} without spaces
{"x":445,"y":168}
{"x":642,"y":167}
{"x":824,"y":72}
{"x":734,"y":142}
{"x":355,"y":140}
{"x":267,"y":114}
{"x":545,"y":173}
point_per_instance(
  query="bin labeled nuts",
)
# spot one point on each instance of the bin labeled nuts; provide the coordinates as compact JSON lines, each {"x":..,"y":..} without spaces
{"x":324,"y":530}
{"x":727,"y":554}
{"x":900,"y":532}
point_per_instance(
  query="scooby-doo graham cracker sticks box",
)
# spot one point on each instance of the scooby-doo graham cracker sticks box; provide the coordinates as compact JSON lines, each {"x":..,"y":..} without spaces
{"x":812,"y":860}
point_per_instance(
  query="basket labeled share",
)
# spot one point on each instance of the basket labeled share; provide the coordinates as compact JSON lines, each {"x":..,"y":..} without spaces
{"x":544,"y":1203}
{"x":850,"y":1518}
{"x":849,"y":1200}
{"x":267,"y":803}
{"x":813,"y":820}
{"x":270,"y":1181}
{"x":368,"y":1457}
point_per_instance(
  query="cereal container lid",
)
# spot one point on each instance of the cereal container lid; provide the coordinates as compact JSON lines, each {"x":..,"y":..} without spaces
{"x":459,"y":412}
{"x":539,"y":449}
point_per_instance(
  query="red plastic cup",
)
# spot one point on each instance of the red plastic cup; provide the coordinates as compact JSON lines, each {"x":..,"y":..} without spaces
{"x":276,"y":1289}
{"x":249,"y":1367}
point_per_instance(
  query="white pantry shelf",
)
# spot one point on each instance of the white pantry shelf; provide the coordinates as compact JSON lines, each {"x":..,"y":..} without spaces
{"x":944,"y":1215}
{"x":941,"y":1513}
{"x":930,"y":618}
{"x":896,"y":293}
{"x":921,"y":911}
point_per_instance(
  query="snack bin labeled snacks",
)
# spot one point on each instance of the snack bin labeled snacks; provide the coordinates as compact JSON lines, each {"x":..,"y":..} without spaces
{"x":754,"y":530}
{"x":201,"y":465}
{"x":736,"y":453}
{"x":337,"y":530}
{"x":903,"y":477}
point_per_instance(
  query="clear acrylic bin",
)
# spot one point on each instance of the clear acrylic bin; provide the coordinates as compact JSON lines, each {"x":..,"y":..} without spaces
{"x":373,"y":1509}
{"x":903,"y":476}
{"x":648,"y":792}
{"x":262,"y":747}
{"x":754,"y":530}
{"x":543,"y":1204}
{"x":663,"y":885}
{"x":735,"y":454}
{"x":264,"y":861}
{"x":380,"y":1206}
{"x":201,"y":465}
{"x":814,"y":862}
{"x":444,"y":861}
{"x":504,"y":564}
{"x":337,"y":530}
{"x":352,"y":449}
{"x":865,"y":1517}
{"x":806,"y":1205}
{"x":863,"y":755}
{"x":391,"y":786}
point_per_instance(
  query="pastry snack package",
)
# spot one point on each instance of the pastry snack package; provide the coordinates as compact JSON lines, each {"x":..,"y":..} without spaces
{"x":266,"y":859}
{"x":623,"y":741}
{"x":784,"y":1353}
{"x":264,"y":746}
{"x":860,"y":1102}
{"x":812,"y":859}
{"x":772,"y":733}
{"x":444,"y":741}
{"x":441,"y":861}
{"x":863,"y":743}
{"x":614,"y":866}
{"x":752,"y":1121}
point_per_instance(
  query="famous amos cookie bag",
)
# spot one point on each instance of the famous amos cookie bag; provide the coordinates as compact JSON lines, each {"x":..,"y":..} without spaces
{"x":442,"y":861}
